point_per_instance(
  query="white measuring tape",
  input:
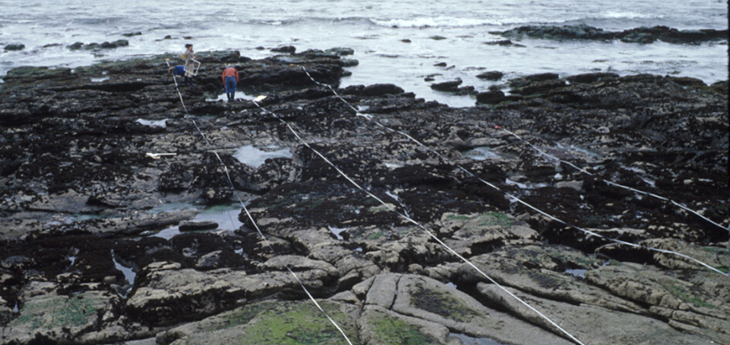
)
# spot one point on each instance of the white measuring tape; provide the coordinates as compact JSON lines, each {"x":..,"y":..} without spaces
{"x":370,"y":118}
{"x":409,"y":219}
{"x":266,"y":241}
{"x":611,"y":183}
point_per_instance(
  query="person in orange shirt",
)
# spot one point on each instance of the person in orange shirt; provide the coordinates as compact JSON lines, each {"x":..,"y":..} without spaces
{"x":230,"y":80}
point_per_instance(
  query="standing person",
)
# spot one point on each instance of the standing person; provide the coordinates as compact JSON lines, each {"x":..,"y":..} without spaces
{"x":230,"y":80}
{"x":189,"y":66}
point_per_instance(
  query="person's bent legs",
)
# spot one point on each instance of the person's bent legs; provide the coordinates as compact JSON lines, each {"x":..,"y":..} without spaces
{"x":189,"y":74}
{"x":231,"y":88}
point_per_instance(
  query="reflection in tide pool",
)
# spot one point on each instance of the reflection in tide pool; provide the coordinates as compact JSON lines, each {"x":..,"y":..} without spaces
{"x":226,"y":216}
{"x":337,"y":231}
{"x":578,"y":272}
{"x":254,"y":157}
{"x":129,"y":274}
{"x":480,"y":153}
{"x":168,"y":233}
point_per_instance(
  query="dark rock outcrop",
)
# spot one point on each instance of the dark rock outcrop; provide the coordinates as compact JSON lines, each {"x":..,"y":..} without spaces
{"x":504,"y":43}
{"x":284,"y":49}
{"x":104,"y":45}
{"x":637,"y":35}
{"x":491,"y":97}
{"x":14,"y":47}
{"x":447,"y":85}
{"x":491,"y":75}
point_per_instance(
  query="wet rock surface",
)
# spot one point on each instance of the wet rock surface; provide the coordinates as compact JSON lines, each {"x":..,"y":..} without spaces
{"x":90,"y":157}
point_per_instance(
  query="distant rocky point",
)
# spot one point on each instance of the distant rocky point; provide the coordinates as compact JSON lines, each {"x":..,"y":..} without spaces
{"x":637,"y":35}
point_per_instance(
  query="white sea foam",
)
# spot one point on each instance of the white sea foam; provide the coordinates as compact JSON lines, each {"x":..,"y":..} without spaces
{"x":238,"y":96}
{"x":422,"y":22}
{"x":629,"y":15}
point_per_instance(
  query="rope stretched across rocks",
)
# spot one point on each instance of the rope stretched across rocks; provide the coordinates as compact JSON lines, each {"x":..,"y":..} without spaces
{"x":512,"y":197}
{"x":243,"y":206}
{"x":611,"y":183}
{"x":409,"y":219}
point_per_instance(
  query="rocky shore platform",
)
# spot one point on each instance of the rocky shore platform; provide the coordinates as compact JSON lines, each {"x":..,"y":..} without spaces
{"x":93,"y":250}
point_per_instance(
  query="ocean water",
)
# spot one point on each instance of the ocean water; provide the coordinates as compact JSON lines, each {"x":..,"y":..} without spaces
{"x":394,"y":41}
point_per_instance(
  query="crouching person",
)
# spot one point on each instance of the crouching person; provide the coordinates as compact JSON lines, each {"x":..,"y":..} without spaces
{"x":230,"y":80}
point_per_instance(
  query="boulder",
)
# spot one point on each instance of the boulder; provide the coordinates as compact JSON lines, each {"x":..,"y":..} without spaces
{"x":448,"y":86}
{"x":491,"y":97}
{"x":590,"y":77}
{"x":284,"y":49}
{"x":197,"y":225}
{"x":340,"y":51}
{"x":14,"y":47}
{"x":590,"y":324}
{"x":372,"y":90}
{"x":491,"y":75}
{"x":48,"y":316}
{"x":270,"y":322}
{"x":412,"y":297}
{"x":170,"y":293}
